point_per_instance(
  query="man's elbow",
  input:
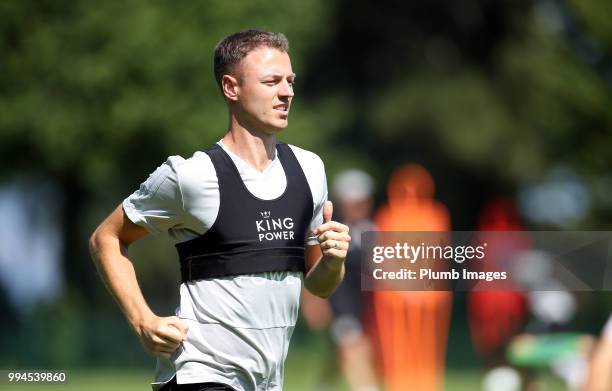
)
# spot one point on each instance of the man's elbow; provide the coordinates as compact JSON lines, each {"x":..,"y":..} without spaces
{"x":320,"y":292}
{"x":94,"y":245}
{"x":98,"y":240}
{"x":325,"y":295}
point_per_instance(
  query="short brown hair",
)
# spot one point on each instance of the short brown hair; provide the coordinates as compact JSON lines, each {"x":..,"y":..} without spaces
{"x":233,"y":48}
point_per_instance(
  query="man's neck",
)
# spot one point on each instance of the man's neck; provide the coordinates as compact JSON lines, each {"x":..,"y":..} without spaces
{"x":256,"y":148}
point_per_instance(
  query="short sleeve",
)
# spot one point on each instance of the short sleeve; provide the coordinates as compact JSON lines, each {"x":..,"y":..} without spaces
{"x":315,"y":174}
{"x":607,"y":331}
{"x":317,"y":220}
{"x":157,"y":205}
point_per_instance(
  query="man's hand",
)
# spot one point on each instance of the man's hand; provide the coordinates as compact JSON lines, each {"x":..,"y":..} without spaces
{"x":333,"y":237}
{"x":326,"y":272}
{"x":161,"y":336}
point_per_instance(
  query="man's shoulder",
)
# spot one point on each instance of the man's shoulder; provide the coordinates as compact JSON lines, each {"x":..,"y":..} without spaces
{"x":192,"y":175}
{"x":307,"y":159}
{"x":185,"y":173}
{"x":198,"y":162}
{"x":314,"y":170}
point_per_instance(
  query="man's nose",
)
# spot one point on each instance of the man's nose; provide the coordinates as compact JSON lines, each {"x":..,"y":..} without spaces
{"x":286,"y":89}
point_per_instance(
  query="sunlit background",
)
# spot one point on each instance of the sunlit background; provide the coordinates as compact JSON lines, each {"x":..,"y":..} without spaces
{"x":494,"y":98}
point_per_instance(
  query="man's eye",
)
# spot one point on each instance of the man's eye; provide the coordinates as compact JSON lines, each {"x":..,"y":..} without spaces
{"x":270,"y":82}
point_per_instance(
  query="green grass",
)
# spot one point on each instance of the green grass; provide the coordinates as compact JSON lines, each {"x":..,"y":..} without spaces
{"x":299,"y":377}
{"x":304,"y":367}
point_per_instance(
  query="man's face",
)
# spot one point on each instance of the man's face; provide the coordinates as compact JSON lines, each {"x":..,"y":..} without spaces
{"x":265,"y":90}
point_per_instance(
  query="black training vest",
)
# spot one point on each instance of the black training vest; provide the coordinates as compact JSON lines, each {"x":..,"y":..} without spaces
{"x":251,"y":235}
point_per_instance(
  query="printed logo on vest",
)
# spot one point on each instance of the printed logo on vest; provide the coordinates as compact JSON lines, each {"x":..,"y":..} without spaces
{"x":269,"y":229}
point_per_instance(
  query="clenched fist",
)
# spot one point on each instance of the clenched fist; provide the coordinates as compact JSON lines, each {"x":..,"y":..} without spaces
{"x":333,"y":236}
{"x":161,"y":336}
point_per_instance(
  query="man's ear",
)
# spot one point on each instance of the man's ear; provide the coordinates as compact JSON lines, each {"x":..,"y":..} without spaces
{"x":229,"y":84}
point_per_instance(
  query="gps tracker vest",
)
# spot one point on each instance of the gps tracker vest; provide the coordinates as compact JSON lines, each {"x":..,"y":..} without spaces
{"x":251,"y":235}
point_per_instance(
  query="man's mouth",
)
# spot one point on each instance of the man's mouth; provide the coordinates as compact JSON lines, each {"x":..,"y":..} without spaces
{"x":282,"y":108}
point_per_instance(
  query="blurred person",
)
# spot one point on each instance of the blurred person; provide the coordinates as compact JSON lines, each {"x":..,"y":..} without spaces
{"x":252,"y":224}
{"x":411,"y":327}
{"x":30,"y":244}
{"x":599,"y":377}
{"x":344,"y":311}
{"x":495,"y":317}
{"x":564,"y":354}
{"x":502,"y":379}
{"x":547,"y":342}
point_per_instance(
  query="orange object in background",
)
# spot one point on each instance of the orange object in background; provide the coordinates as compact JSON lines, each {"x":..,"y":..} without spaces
{"x":411,"y":328}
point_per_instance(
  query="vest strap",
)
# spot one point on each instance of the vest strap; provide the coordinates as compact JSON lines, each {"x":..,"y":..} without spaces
{"x":244,"y":262}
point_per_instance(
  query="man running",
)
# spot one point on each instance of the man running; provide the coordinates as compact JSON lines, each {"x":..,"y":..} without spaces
{"x":251,"y":222}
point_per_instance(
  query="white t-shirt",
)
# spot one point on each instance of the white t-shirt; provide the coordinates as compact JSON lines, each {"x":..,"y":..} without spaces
{"x":607,"y":331}
{"x":239,"y":326}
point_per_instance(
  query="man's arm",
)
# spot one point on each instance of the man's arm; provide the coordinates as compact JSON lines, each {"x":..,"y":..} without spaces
{"x":160,"y":336}
{"x":325,"y":262}
{"x":599,"y":377}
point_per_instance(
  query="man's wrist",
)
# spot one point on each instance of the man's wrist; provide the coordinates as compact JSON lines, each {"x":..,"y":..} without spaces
{"x":139,"y":319}
{"x":332,"y":263}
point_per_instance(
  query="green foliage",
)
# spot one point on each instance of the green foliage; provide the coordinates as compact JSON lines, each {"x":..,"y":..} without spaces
{"x":95,"y":94}
{"x":90,"y":87}
{"x":50,"y":336}
{"x":100,"y":93}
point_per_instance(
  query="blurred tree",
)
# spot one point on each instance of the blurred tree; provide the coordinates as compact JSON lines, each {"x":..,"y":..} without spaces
{"x":485,"y":94}
{"x":96,"y":94}
{"x":500,"y":90}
